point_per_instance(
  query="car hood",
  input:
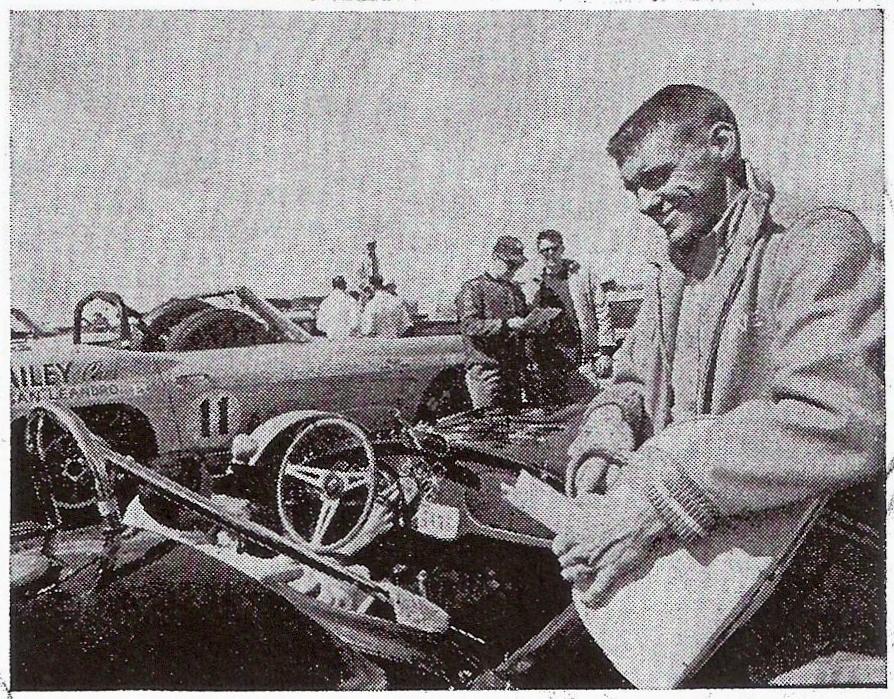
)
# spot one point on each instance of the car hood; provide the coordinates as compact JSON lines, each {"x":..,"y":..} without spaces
{"x":322,"y":356}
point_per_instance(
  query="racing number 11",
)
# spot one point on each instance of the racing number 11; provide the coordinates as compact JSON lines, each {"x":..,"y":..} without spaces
{"x":216,"y":412}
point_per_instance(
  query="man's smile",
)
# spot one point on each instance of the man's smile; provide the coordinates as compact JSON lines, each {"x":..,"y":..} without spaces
{"x":667,"y":219}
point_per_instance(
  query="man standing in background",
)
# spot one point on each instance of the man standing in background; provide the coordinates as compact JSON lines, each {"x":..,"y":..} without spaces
{"x":339,"y":313}
{"x":385,"y":314}
{"x":490,"y":309}
{"x":583,"y":333}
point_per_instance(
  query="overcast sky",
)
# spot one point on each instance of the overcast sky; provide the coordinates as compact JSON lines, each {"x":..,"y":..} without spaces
{"x":156,"y":153}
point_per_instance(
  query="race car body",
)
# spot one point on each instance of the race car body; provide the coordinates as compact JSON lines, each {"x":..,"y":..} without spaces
{"x":201,"y":399}
{"x":148,"y":401}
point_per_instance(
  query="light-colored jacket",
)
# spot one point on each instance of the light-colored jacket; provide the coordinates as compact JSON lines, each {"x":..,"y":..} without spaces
{"x":385,"y":315}
{"x":794,"y":375}
{"x":590,"y":307}
{"x":338,"y":315}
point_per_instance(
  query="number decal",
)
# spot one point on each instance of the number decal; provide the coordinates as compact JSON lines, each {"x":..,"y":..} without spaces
{"x":217,"y":414}
{"x":223,"y":406}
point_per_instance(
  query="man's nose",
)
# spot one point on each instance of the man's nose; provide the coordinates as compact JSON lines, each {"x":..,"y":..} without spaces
{"x":648,"y":201}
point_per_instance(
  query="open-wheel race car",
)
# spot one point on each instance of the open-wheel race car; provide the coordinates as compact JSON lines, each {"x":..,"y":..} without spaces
{"x":415,"y":557}
{"x":402,"y":581}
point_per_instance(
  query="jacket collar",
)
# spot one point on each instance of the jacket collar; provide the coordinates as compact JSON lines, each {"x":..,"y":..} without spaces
{"x":741,"y":226}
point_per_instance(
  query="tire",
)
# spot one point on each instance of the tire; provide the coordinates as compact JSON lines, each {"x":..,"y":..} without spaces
{"x":217,"y":328}
{"x":126,"y":430}
{"x":163,"y":319}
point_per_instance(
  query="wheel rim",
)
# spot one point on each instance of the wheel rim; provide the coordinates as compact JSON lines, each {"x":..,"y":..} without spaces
{"x":73,"y":484}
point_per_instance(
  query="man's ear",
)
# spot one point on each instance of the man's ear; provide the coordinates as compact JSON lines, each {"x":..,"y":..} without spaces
{"x":723,"y":139}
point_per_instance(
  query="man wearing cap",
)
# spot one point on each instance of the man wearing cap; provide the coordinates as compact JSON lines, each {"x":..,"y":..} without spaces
{"x":581,"y":334}
{"x":490,"y":309}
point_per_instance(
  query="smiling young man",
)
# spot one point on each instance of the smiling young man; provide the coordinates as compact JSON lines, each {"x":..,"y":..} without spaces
{"x":751,"y":380}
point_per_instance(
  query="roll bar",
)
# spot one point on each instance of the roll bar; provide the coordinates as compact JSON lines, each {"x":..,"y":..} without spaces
{"x":125,"y":312}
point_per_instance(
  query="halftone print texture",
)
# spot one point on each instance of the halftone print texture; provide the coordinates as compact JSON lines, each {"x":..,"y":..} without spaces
{"x":472,"y":350}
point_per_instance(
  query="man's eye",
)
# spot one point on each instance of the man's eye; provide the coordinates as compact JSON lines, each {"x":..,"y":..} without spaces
{"x":653,"y":179}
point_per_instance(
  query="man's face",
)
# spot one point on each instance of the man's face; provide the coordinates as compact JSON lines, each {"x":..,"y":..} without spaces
{"x":505,"y":268}
{"x":680,"y":185}
{"x":551,"y":252}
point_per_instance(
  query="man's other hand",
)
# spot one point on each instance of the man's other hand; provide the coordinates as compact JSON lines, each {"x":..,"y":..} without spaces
{"x":605,"y":538}
{"x":595,"y":474}
{"x":604,"y":432}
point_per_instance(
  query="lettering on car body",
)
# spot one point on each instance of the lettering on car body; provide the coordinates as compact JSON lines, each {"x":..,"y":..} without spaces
{"x":30,"y":376}
{"x":66,"y":393}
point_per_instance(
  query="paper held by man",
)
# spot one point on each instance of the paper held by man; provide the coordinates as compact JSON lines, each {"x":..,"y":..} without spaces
{"x":662,"y":622}
{"x":538,"y":318}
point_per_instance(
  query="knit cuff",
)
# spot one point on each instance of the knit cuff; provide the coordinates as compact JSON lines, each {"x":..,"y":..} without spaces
{"x":679,"y":500}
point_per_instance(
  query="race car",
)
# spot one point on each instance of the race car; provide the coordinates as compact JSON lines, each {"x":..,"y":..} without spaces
{"x":425,"y":550}
{"x":189,"y":375}
{"x":219,"y":565}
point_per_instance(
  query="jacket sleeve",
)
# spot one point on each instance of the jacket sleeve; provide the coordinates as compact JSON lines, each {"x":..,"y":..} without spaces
{"x":822,"y":426}
{"x":630,"y":371}
{"x":470,"y":313}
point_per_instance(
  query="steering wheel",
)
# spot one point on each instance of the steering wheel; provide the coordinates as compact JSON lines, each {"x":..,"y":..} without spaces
{"x":326,"y":485}
{"x":73,"y":486}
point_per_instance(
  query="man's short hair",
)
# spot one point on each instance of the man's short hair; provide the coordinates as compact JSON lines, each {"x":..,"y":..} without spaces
{"x":550,"y":235}
{"x":339,"y":283}
{"x":688,"y":107}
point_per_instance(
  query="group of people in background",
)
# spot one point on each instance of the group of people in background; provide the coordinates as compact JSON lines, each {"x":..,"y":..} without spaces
{"x":510,"y":358}
{"x":376,"y":311}
{"x":513,"y":356}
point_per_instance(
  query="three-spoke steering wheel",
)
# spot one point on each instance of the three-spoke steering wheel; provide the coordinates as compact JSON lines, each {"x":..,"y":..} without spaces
{"x":326,"y":484}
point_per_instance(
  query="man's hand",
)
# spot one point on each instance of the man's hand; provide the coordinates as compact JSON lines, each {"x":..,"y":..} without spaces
{"x":596,"y":474}
{"x":604,"y":539}
{"x":590,"y":468}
